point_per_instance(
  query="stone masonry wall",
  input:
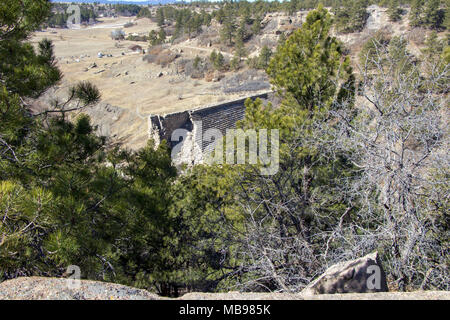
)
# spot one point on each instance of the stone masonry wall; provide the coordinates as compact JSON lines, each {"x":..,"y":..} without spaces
{"x":221,"y":116}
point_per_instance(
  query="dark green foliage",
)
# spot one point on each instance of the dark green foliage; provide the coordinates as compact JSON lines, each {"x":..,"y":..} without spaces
{"x":23,"y":71}
{"x":261,"y":61}
{"x":144,"y":13}
{"x":228,"y":30}
{"x":156,"y":38}
{"x":434,"y":16}
{"x":273,"y":221}
{"x":186,"y":20}
{"x":309,"y":47}
{"x":197,"y":62}
{"x":67,"y":197}
{"x":427,"y":13}
{"x":351,"y":16}
{"x":416,"y":13}
{"x":240,"y":49}
{"x":160,"y":17}
{"x":235,"y":63}
{"x":394,"y":11}
{"x":264,"y":57}
{"x":63,"y":198}
{"x":256,"y":26}
{"x":162,"y":35}
{"x":127,"y":9}
{"x":434,"y":47}
{"x":217,"y":60}
{"x":446,"y":23}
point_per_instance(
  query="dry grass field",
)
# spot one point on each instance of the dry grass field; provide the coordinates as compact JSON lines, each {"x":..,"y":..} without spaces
{"x":132,"y":88}
{"x":123,"y":78}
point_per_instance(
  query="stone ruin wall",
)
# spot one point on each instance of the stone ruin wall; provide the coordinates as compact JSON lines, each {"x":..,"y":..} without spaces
{"x":221,"y":116}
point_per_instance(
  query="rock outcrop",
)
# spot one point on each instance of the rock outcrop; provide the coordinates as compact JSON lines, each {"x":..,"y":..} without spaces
{"x":356,"y":276}
{"x":36,"y":288}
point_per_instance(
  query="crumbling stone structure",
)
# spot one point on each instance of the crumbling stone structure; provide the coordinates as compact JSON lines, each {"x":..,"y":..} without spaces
{"x":196,"y":122}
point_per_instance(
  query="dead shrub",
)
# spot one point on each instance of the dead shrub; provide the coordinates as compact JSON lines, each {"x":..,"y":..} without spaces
{"x":187,"y":67}
{"x":155,"y":50}
{"x":213,"y":76}
{"x":165,"y":57}
{"x":209,"y":76}
{"x":209,"y":36}
{"x":418,"y":36}
{"x":160,"y":56}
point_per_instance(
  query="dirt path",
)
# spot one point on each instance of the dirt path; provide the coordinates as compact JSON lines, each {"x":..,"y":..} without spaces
{"x":208,"y":50}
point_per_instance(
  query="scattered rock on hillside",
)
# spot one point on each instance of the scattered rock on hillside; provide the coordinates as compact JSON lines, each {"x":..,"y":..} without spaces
{"x":356,"y":276}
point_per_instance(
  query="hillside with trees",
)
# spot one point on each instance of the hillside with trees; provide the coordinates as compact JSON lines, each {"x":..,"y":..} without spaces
{"x":363,"y":157}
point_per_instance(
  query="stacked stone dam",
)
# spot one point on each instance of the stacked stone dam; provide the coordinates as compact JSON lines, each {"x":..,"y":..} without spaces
{"x":221,"y":116}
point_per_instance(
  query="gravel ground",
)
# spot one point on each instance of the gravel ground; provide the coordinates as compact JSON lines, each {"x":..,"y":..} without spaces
{"x":36,"y":288}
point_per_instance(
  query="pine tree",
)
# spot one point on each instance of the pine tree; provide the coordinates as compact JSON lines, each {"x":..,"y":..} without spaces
{"x":241,"y":32}
{"x":433,"y":15}
{"x":63,"y":198}
{"x":219,"y":62}
{"x":153,"y":38}
{"x":446,"y":23}
{"x":235,"y":63}
{"x":433,"y":47}
{"x":264,"y":57}
{"x":415,"y":15}
{"x":240,"y":49}
{"x":394,"y":11}
{"x":305,"y":71}
{"x":197,"y":62}
{"x":301,"y":50}
{"x":352,"y":16}
{"x":160,"y":19}
{"x":292,"y":7}
{"x":256,"y":26}
{"x":161,"y":35}
{"x":228,"y":30}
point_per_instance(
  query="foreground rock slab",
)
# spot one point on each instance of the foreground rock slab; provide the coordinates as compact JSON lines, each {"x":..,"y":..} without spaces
{"x":417,"y":295}
{"x":36,"y":288}
{"x":361,"y":275}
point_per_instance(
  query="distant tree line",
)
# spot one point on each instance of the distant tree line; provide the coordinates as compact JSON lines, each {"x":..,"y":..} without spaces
{"x":59,"y":16}
{"x":127,"y":9}
{"x":186,"y":21}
